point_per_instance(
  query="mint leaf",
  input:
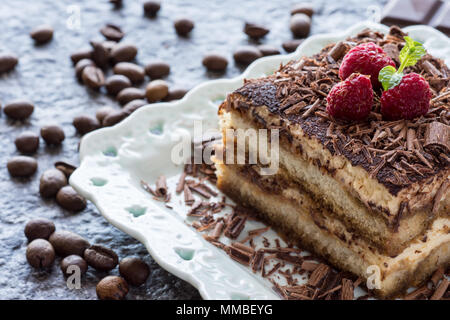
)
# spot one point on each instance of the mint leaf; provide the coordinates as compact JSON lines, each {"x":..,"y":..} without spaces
{"x":389,"y":77}
{"x":411,"y":53}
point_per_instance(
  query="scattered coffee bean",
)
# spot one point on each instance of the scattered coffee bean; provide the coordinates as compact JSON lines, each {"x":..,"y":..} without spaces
{"x":42,"y":34}
{"x":268,"y":50}
{"x":175,"y":94}
{"x":123,"y":52}
{"x":81,"y":54}
{"x":246,"y":55}
{"x":101,"y":258}
{"x":52,"y":134}
{"x":22,"y":166}
{"x":93,"y":77}
{"x":151,"y":8}
{"x":73,"y":260}
{"x":157,"y":69}
{"x":109,"y":45}
{"x":300,"y":25}
{"x":305,"y":8}
{"x":70,"y":200}
{"x":79,"y":67}
{"x":65,"y":168}
{"x":132,"y":106}
{"x":39,"y":228}
{"x":134,"y":270}
{"x":183,"y":26}
{"x":130,"y":94}
{"x":215,"y":61}
{"x":100,"y":54}
{"x":103,"y":112}
{"x":19,"y":109}
{"x":27,"y":142}
{"x":291,"y":45}
{"x":114,"y":118}
{"x":156,"y":90}
{"x":112,"y":32}
{"x":40,"y":253}
{"x":8,"y":61}
{"x":254,"y":30}
{"x":112,"y":288}
{"x":132,"y":71}
{"x":67,"y":243}
{"x":85,"y":124}
{"x":116,"y":83}
{"x":52,"y":180}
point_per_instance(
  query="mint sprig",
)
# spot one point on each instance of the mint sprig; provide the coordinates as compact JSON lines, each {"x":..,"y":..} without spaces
{"x":410,"y":54}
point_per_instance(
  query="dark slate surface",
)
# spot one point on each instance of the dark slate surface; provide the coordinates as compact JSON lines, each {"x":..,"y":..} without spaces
{"x":45,"y":76}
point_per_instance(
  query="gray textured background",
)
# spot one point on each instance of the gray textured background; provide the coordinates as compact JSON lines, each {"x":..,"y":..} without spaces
{"x":45,"y":75}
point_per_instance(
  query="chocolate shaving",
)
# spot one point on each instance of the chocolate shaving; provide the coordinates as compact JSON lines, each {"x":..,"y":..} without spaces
{"x":188,"y":197}
{"x":235,"y":227}
{"x":440,"y":290}
{"x":180,"y":185}
{"x":347,"y":289}
{"x":338,"y":51}
{"x":439,"y":194}
{"x":161,"y":186}
{"x":318,"y":275}
{"x":437,"y":134}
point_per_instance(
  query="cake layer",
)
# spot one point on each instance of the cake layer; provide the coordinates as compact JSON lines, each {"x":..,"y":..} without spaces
{"x":300,"y":217}
{"x":297,"y":170}
{"x":393,"y":169}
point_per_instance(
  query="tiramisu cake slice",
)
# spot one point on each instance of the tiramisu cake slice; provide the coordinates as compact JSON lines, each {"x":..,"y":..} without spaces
{"x":364,"y":156}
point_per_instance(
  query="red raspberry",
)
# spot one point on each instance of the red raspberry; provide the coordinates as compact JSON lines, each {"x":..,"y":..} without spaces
{"x":351,"y":99}
{"x":366,"y":58}
{"x":409,"y":99}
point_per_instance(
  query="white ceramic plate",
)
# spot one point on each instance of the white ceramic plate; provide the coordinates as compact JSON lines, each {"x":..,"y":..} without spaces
{"x":114,"y":160}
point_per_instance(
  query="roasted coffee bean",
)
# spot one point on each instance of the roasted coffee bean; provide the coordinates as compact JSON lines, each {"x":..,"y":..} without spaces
{"x":300,"y":25}
{"x":67,"y":243}
{"x":52,"y":180}
{"x":27,"y":142}
{"x":101,"y":258}
{"x":246,"y":55}
{"x":215,"y":61}
{"x":305,"y":8}
{"x":134,"y":270}
{"x":65,"y":168}
{"x":93,"y":77}
{"x":151,"y":8}
{"x":8,"y":61}
{"x":112,"y":288}
{"x":268,"y":50}
{"x":175,"y":94}
{"x":103,"y":112}
{"x":39,"y":228}
{"x":291,"y":45}
{"x":81,"y":54}
{"x":52,"y":134}
{"x":116,"y":83}
{"x":100,"y":54}
{"x":70,"y":200}
{"x":157,"y":69}
{"x":132,"y":106}
{"x":114,"y":118}
{"x":19,"y":109}
{"x":22,"y":166}
{"x":112,"y":32}
{"x":42,"y":34}
{"x":123,"y":52}
{"x":73,"y":260}
{"x":156,"y":90}
{"x":130,"y":94}
{"x":40,"y":253}
{"x":254,"y":30}
{"x":85,"y":124}
{"x":183,"y":26}
{"x":79,"y":67}
{"x":132,"y":71}
{"x":109,"y":45}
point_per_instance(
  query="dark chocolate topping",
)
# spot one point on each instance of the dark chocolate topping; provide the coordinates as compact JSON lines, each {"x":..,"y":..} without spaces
{"x":395,"y":152}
